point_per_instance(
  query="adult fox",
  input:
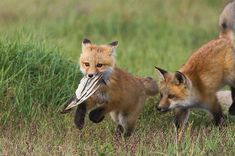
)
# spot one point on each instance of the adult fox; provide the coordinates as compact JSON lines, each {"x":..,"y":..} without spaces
{"x":208,"y":69}
{"x":121,"y":94}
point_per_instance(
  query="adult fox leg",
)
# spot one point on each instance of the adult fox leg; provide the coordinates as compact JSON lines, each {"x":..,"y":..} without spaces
{"x":232,"y":107}
{"x":181,"y":117}
{"x":216,"y":111}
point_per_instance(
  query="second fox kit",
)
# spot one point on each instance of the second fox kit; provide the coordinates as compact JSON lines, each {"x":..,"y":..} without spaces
{"x":206,"y":71}
{"x":121,"y":94}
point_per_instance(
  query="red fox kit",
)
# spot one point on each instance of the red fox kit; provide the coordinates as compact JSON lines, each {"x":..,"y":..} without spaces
{"x":206,"y":71}
{"x":121,"y":94}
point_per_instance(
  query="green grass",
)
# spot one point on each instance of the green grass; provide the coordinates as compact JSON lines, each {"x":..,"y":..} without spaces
{"x":40,"y":44}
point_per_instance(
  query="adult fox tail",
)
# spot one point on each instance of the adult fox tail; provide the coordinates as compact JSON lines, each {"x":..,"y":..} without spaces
{"x":227,"y":21}
{"x":150,"y":85}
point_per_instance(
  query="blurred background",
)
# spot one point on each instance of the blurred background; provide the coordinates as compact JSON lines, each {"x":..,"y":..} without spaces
{"x":152,"y":32}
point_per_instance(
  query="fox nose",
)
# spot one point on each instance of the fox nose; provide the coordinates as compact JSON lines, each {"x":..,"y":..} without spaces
{"x":162,"y":109}
{"x":158,"y":108}
{"x":90,"y":75}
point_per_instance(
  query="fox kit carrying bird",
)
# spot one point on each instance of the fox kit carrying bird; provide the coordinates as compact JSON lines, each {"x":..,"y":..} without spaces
{"x":120,"y":94}
{"x":206,"y":71}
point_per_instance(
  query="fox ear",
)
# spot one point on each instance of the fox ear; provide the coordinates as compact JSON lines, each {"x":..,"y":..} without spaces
{"x":162,"y":73}
{"x":180,"y":78}
{"x":113,"y":45}
{"x":85,"y":42}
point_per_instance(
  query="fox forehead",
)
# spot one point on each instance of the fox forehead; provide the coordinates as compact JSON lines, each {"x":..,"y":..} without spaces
{"x":166,"y":84}
{"x":97,"y":54}
{"x":168,"y":87}
{"x":96,"y":58}
{"x":97,"y":49}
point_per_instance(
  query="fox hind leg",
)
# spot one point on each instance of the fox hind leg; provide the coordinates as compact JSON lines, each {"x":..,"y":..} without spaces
{"x":128,"y":131}
{"x":115,"y":117}
{"x":232,"y":107}
{"x":127,"y":122}
{"x":119,"y":131}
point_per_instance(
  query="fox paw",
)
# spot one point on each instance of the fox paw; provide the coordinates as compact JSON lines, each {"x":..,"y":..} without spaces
{"x":119,"y":131}
{"x":96,"y":115}
{"x":128,"y":133}
{"x":219,"y":122}
{"x":79,"y":124}
{"x":79,"y":120}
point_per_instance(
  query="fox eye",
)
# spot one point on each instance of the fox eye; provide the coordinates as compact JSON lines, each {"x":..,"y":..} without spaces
{"x":161,"y":95}
{"x":99,"y":65}
{"x":86,"y":64}
{"x":171,"y":96}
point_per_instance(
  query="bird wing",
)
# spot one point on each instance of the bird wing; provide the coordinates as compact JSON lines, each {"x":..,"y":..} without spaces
{"x":85,"y":89}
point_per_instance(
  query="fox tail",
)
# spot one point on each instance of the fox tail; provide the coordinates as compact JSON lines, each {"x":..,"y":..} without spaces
{"x":227,"y":21}
{"x":150,"y":85}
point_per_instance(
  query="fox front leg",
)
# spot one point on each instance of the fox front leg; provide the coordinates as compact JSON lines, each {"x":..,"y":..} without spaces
{"x":80,"y":115}
{"x":218,"y":115}
{"x":216,"y":111}
{"x":97,"y":115}
{"x":181,"y":117}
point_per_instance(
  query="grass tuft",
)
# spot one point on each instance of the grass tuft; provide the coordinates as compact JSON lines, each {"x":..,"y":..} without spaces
{"x":33,"y":78}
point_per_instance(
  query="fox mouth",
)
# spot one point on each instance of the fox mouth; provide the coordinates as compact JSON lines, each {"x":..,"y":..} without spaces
{"x":165,"y":111}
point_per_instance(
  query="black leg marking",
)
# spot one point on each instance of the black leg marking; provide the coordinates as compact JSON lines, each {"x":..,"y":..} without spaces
{"x":97,"y":115}
{"x":128,"y":132}
{"x":119,"y":130}
{"x":177,"y":123}
{"x":181,"y":117}
{"x":218,"y":118}
{"x":232,"y":107}
{"x":80,"y":115}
